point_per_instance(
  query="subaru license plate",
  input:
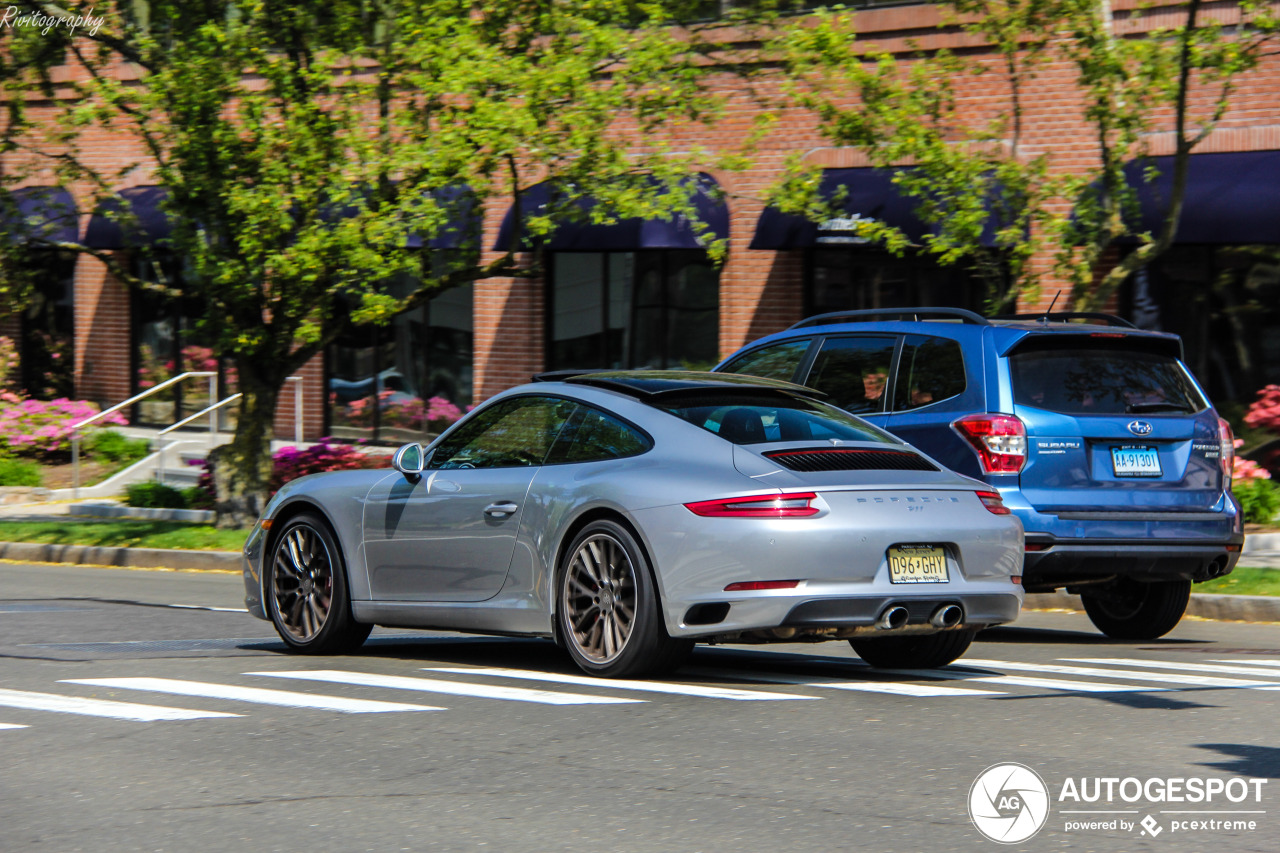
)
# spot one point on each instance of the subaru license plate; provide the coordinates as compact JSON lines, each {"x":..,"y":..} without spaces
{"x":918,"y":564}
{"x":1133,"y":461}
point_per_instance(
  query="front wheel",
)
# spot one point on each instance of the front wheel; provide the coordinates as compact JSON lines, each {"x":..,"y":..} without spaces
{"x":1130,"y":610}
{"x":914,"y":652}
{"x":608,"y":612}
{"x":306,"y":590}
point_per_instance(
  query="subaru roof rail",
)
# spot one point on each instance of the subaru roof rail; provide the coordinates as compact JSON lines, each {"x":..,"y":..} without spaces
{"x":1104,"y":319}
{"x":914,"y":313}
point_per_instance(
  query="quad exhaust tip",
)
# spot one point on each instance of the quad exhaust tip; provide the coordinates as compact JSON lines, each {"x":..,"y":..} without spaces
{"x":947,"y":616}
{"x":894,"y":617}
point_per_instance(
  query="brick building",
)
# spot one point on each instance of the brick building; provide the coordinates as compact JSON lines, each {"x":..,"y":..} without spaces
{"x":634,"y":296}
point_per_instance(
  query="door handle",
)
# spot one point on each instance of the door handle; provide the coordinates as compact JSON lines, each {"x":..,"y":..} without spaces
{"x":500,"y":510}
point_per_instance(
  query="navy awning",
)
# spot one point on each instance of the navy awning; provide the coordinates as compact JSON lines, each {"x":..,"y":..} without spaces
{"x":1231,"y":198}
{"x":465,"y":221}
{"x":152,"y":225}
{"x":625,"y":235}
{"x":870,"y":194}
{"x":45,"y":214}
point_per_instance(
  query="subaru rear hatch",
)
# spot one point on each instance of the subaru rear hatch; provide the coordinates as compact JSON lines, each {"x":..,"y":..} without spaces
{"x":1115,"y":423}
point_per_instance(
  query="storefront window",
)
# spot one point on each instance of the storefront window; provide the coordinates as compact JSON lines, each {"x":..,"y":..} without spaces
{"x":1224,"y":301}
{"x":48,"y":326}
{"x":408,"y":380}
{"x":168,"y":340}
{"x":859,"y":278}
{"x":648,"y":309}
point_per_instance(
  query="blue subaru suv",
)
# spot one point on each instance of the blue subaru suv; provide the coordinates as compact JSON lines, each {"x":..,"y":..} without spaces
{"x":1094,"y":432}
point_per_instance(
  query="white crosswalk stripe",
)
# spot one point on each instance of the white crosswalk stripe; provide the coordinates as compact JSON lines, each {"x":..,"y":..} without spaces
{"x":960,"y":674}
{"x":99,"y":707}
{"x":1130,"y":674}
{"x":1273,"y":664}
{"x":1181,"y":666}
{"x":891,"y":687}
{"x":699,"y":690}
{"x":257,"y":695}
{"x":11,"y":726}
{"x":455,"y":688}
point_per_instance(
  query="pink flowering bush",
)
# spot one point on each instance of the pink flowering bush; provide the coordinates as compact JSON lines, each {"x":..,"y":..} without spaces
{"x":1251,"y":484}
{"x":290,"y":463}
{"x":42,"y":429}
{"x":1246,"y":469}
{"x":1265,"y":411}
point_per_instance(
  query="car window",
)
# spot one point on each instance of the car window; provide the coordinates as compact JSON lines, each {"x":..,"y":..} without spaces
{"x":1077,"y":381}
{"x":760,"y":418}
{"x":593,"y":436}
{"x":853,"y":372}
{"x":513,"y":433}
{"x":778,"y":361}
{"x":929,"y":370}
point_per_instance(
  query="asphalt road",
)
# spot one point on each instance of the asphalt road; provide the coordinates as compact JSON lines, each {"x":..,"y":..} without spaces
{"x":212,"y":738}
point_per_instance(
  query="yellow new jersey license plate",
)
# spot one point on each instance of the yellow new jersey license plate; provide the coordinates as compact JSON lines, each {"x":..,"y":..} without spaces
{"x":918,"y":564}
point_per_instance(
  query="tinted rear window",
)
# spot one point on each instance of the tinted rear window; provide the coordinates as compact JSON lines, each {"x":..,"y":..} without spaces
{"x":1104,"y":382}
{"x":760,"y":418}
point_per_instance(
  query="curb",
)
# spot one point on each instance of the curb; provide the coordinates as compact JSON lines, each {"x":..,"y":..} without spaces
{"x":114,"y":510}
{"x":1223,"y":608}
{"x":134,"y":558}
{"x":1261,"y":542}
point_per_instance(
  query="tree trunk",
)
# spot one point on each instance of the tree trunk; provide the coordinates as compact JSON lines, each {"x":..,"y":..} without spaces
{"x":242,"y":469}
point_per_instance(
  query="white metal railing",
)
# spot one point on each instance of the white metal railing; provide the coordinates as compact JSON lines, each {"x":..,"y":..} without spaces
{"x":75,"y":428}
{"x":211,"y":411}
{"x":162,"y":443}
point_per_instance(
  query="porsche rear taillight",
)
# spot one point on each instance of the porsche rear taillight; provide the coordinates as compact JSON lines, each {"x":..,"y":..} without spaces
{"x":792,"y":505}
{"x":999,"y":440}
{"x":1226,"y":450}
{"x":994,"y":503}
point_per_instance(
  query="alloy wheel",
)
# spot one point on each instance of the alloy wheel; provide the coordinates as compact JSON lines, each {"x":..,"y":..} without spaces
{"x":600,"y":598}
{"x":302,"y":582}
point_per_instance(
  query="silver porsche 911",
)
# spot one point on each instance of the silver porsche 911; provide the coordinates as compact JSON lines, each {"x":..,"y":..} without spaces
{"x":629,"y":515}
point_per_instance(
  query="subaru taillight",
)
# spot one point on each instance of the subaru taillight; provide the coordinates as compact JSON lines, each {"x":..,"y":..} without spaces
{"x":1000,"y":441}
{"x":792,"y":505}
{"x":993,"y":502}
{"x":1227,"y":450}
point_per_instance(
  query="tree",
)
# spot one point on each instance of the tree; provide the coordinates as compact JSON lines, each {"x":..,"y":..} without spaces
{"x":302,"y":143}
{"x":992,"y":202}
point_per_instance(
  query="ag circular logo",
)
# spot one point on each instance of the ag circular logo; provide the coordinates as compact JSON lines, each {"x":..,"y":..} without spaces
{"x":1009,"y":803}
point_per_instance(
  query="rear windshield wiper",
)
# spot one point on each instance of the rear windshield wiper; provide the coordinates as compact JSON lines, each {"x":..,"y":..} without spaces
{"x":1140,"y":408}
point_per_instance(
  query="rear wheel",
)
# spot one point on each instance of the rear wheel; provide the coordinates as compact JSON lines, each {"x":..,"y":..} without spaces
{"x":306,"y":588}
{"x":914,"y":652}
{"x":609,"y":615}
{"x":1130,"y":610}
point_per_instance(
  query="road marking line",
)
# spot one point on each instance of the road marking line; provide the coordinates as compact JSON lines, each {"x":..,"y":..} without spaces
{"x":1064,"y":684}
{"x":100,"y":707}
{"x":1132,"y":674}
{"x":1191,"y":667}
{"x":11,"y":726}
{"x":456,"y":688}
{"x":1273,"y":663}
{"x":206,"y":607}
{"x":625,"y":684}
{"x":894,"y":687}
{"x":258,"y":695}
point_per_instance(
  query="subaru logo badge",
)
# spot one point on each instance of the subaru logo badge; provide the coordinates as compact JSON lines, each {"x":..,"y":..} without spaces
{"x":1140,"y":428}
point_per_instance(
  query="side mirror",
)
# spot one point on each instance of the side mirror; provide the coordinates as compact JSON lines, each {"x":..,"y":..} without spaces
{"x":410,"y":461}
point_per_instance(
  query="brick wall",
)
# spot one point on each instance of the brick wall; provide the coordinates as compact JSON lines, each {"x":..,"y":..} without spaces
{"x":761,"y":291}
